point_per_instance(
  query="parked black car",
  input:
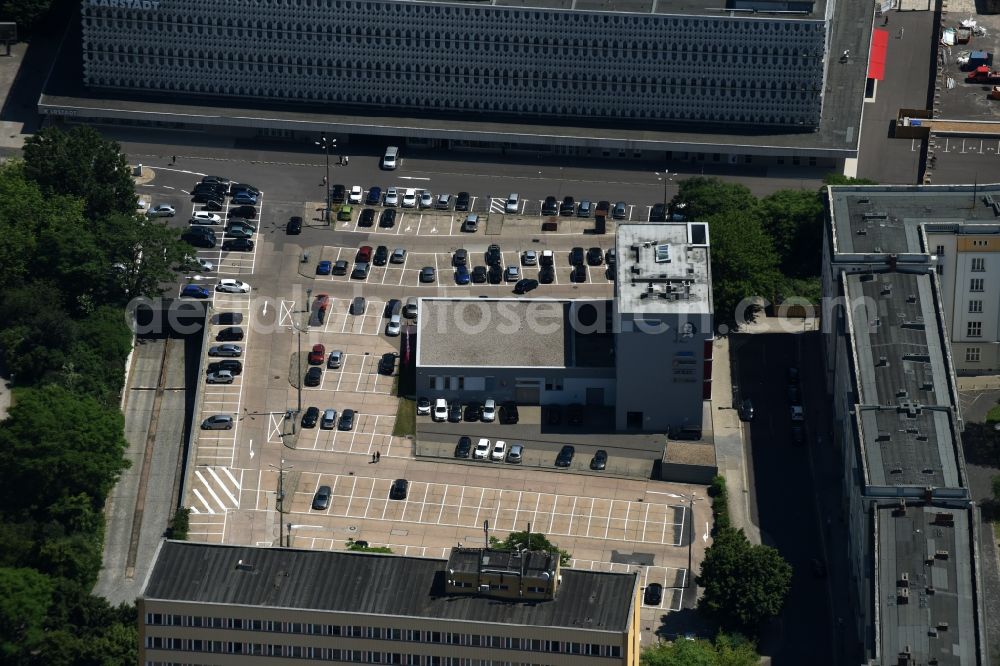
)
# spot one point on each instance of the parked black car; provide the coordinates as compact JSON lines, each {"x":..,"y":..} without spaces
{"x":473,"y":412}
{"x":381,"y":256}
{"x":463,"y":447}
{"x":658,"y":213}
{"x":550,"y":206}
{"x":367,"y":217}
{"x":231,"y":334}
{"x":337,"y":194}
{"x":567,"y":207}
{"x":600,"y":460}
{"x":294,"y":226}
{"x":310,"y":417}
{"x":508,"y":413}
{"x":398,"y":489}
{"x":388,"y":218}
{"x":565,"y":457}
{"x":462,"y":201}
{"x":230,"y":364}
{"x":387,"y":364}
{"x":455,"y":412}
{"x":524,"y":286}
{"x":314,"y":376}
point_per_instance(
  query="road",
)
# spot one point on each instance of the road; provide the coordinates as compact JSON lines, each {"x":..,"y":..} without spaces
{"x":785,"y":497}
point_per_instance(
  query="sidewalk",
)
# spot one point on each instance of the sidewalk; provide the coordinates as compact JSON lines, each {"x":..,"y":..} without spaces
{"x":729,"y":449}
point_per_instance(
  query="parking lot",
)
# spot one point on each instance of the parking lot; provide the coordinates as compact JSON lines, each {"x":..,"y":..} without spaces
{"x":607,"y":523}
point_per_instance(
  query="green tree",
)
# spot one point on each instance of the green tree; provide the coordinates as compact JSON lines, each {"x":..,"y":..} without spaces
{"x":141,"y":254}
{"x":841,"y":179}
{"x":24,"y":213}
{"x":794,"y":219}
{"x":83,"y":164}
{"x":706,"y":197}
{"x":727,"y":650}
{"x":27,"y":14}
{"x":744,"y":265}
{"x":744,"y":583}
{"x":537,"y":541}
{"x":58,"y":444}
{"x":25,"y":597}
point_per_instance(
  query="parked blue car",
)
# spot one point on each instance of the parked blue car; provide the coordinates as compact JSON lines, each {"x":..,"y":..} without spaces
{"x":245,"y":197}
{"x":374,"y":196}
{"x":324,"y":267}
{"x":462,"y":275}
{"x":195,"y":291}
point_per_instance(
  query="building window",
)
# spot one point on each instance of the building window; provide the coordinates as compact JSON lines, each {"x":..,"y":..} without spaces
{"x":972,"y":354}
{"x":975,"y":306}
{"x":976,"y":284}
{"x":978,"y":264}
{"x":975,"y":329}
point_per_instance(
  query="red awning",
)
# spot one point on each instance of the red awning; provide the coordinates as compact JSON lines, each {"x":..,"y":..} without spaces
{"x":876,"y":59}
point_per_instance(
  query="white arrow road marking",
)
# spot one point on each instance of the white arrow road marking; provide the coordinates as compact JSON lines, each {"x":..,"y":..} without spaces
{"x":251,"y":449}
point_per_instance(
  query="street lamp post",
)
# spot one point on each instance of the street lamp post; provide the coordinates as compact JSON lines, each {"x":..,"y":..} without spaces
{"x":665,"y":177}
{"x":326,"y":144}
{"x":281,"y":500}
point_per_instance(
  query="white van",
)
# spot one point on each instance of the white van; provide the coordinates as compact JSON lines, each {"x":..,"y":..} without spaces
{"x":391,"y":158}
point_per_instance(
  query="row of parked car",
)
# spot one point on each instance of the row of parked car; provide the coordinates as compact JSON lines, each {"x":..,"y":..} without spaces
{"x":498,"y":451}
{"x":229,"y":365}
{"x":395,"y":197}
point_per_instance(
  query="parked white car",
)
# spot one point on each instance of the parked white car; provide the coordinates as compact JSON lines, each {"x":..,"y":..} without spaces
{"x":440,"y":412}
{"x":161,"y":210}
{"x":204,"y":217}
{"x":426,"y":199}
{"x":409,"y":198}
{"x":231,"y":286}
{"x":482,"y":450}
{"x":355,"y":195}
{"x":499,"y":450}
{"x":489,"y":411}
{"x":391,"y":197}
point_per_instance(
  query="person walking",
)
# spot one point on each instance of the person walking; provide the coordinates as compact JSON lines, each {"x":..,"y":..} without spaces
{"x":373,"y":457}
{"x":173,"y":159}
{"x":378,"y":456}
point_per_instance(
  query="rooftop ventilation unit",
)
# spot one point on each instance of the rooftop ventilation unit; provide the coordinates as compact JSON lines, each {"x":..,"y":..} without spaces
{"x":862,"y":232}
{"x":886,"y":288}
{"x":944,"y":519}
{"x":663,"y":253}
{"x":911,"y":298}
{"x":876,"y":216}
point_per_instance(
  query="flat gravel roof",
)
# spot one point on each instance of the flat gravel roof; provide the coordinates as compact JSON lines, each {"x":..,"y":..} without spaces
{"x":501,"y":332}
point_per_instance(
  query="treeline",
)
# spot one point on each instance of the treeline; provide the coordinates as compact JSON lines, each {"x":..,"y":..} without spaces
{"x":70,"y":242}
{"x":766,"y":247}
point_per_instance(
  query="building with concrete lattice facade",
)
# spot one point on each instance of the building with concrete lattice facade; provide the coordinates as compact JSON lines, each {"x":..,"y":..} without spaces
{"x":628,"y":61}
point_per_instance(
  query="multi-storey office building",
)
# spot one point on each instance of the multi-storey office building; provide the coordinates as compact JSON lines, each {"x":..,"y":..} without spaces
{"x":646,"y":354}
{"x":729,"y":81}
{"x":215,"y":604}
{"x":760,"y":64}
{"x":913,"y":532}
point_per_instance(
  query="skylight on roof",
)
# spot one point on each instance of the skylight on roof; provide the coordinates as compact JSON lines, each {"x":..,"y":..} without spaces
{"x":662,"y":253}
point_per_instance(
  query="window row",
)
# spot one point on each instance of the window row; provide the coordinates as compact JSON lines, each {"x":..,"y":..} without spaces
{"x":315,"y":653}
{"x":200,"y":14}
{"x":371,"y":633}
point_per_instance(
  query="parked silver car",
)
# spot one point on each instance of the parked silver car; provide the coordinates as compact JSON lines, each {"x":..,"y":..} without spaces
{"x":226,"y":350}
{"x":218,"y":422}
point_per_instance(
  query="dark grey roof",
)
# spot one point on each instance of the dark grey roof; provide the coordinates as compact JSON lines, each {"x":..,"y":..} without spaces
{"x":884,"y":219}
{"x":368,"y":583}
{"x":791,"y":9}
{"x":937,"y":623}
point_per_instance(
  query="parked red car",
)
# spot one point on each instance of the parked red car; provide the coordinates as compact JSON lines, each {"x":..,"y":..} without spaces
{"x":317,"y":355}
